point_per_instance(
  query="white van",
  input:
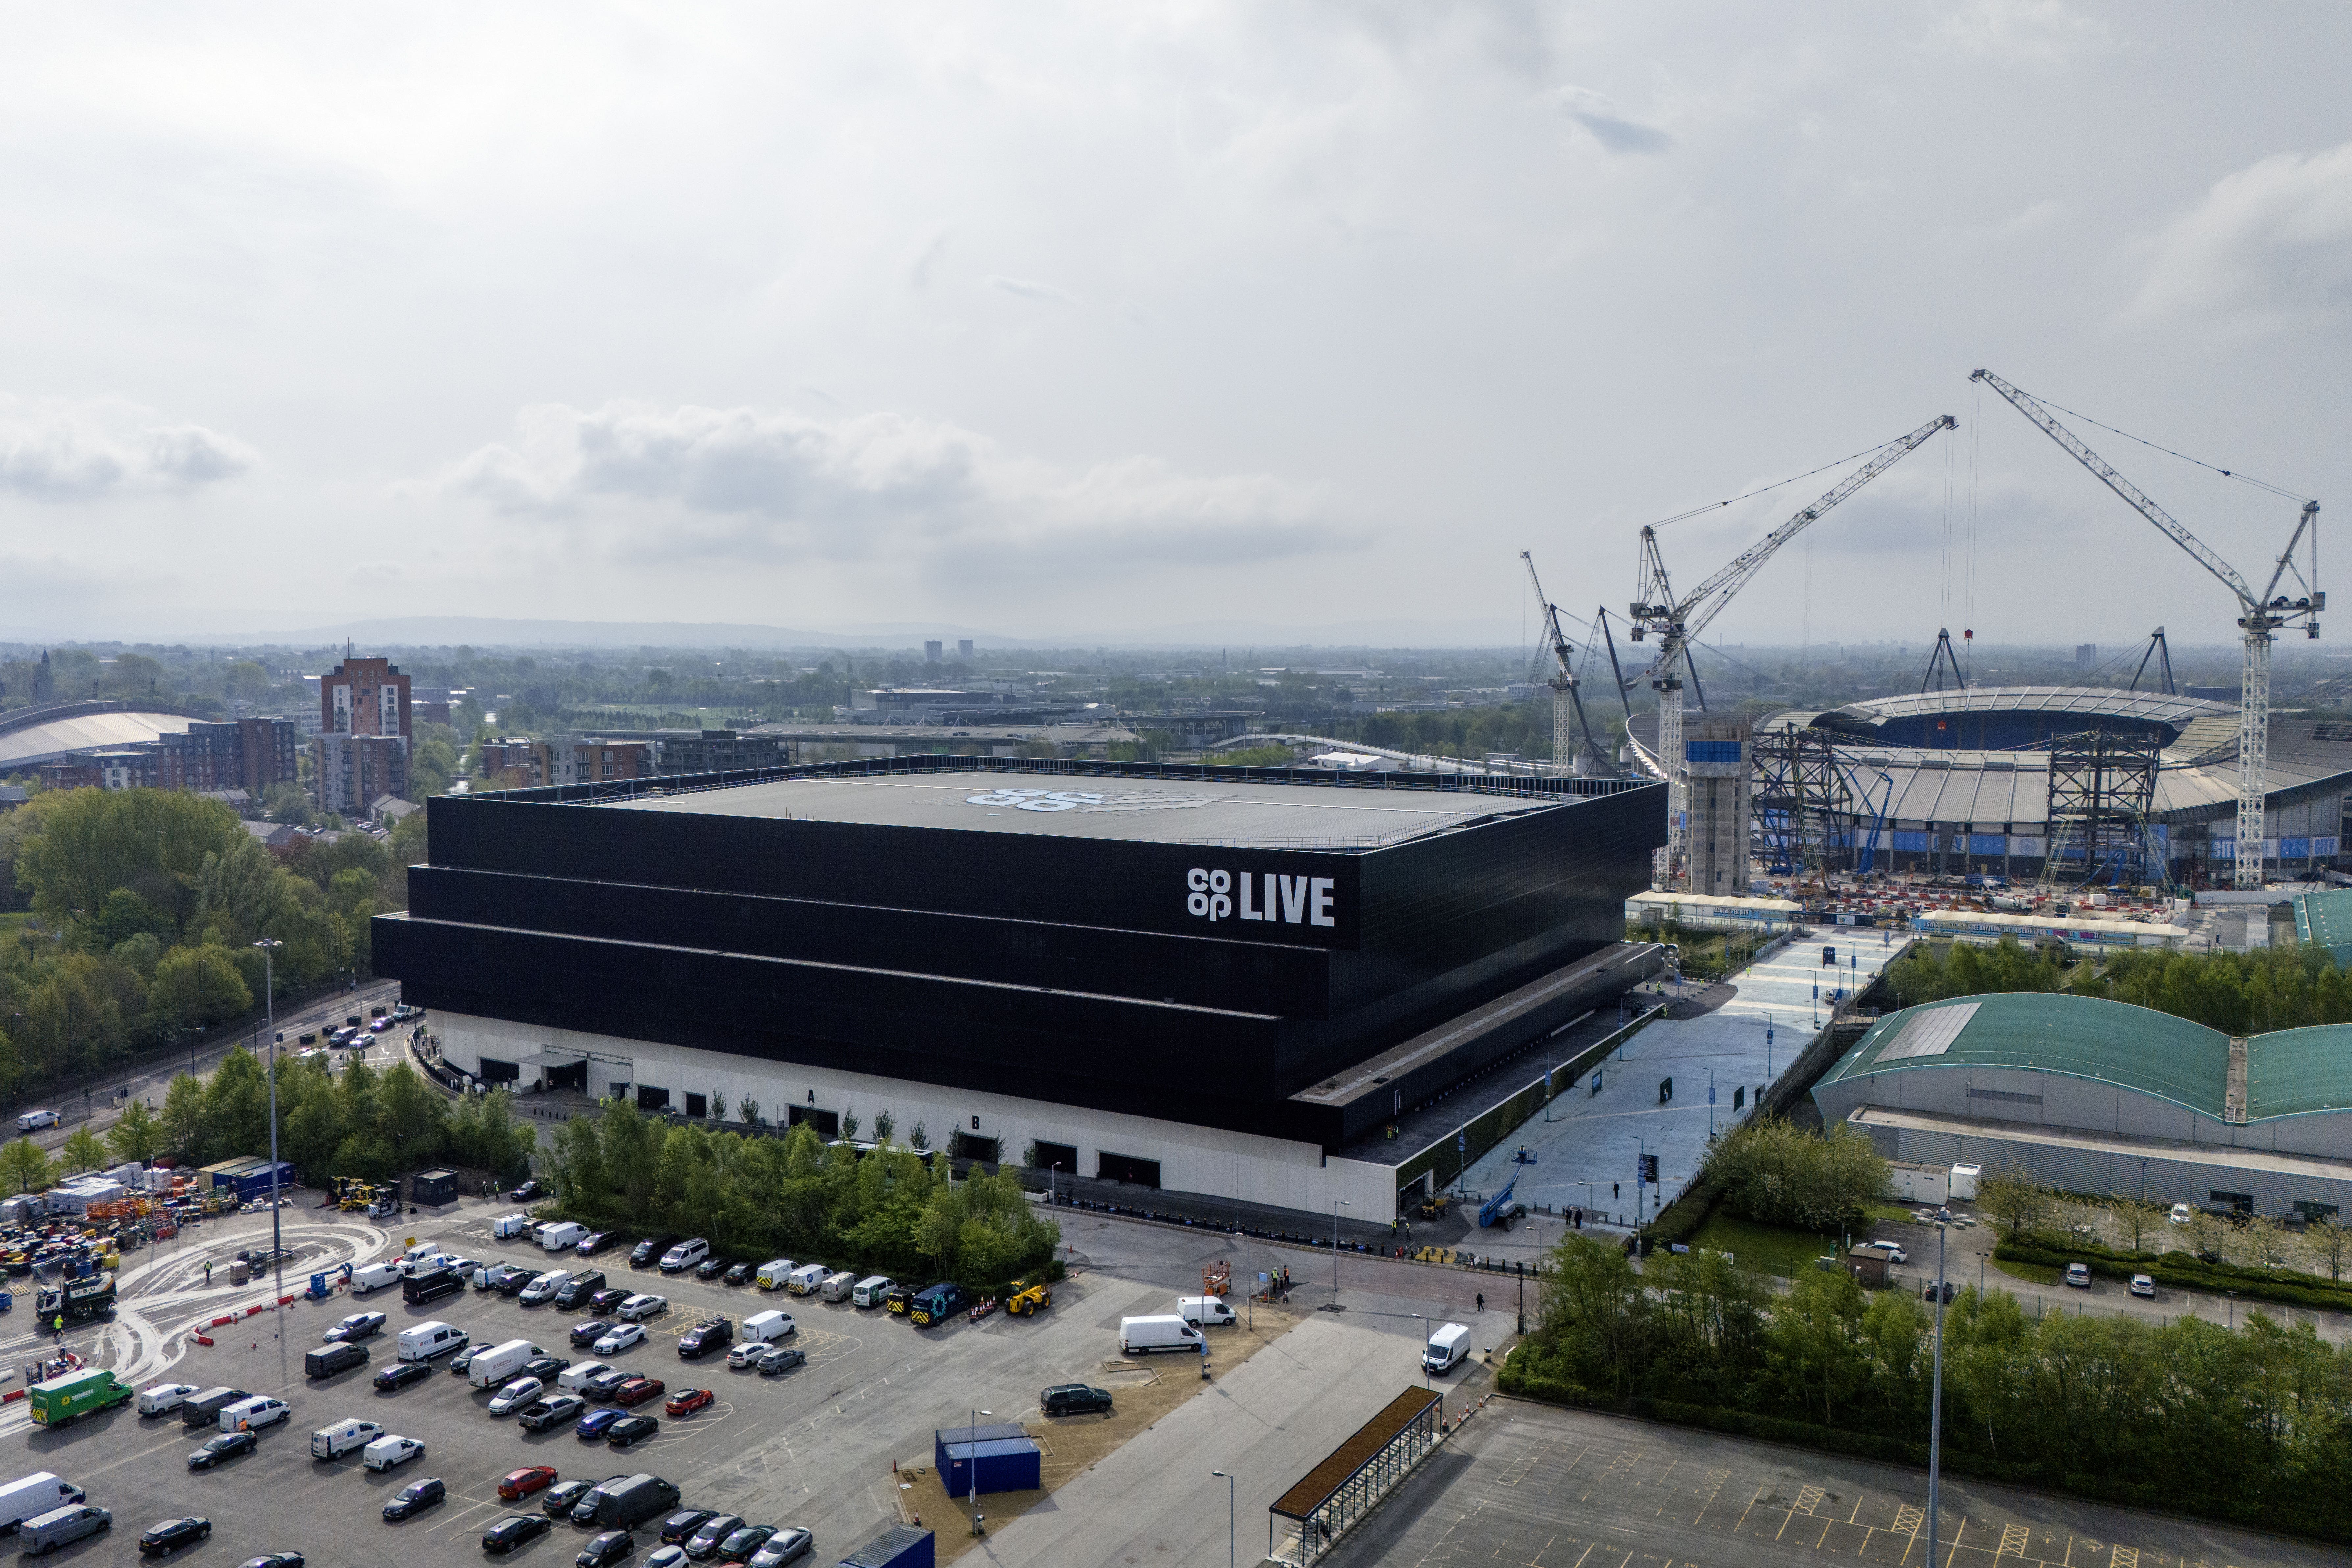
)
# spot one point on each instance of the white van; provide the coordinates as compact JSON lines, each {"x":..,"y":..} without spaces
{"x":773,"y":1273}
{"x":685,"y":1255}
{"x":764,"y":1327}
{"x":158,"y":1398}
{"x":1447,"y":1347}
{"x":428,"y":1341}
{"x":29,"y":1496}
{"x":421,"y":1249}
{"x":386,"y":1452}
{"x":557,"y":1237}
{"x":837,"y":1287}
{"x":806,"y":1278}
{"x":252,"y":1415}
{"x":1208,"y":1311}
{"x":496,"y":1365}
{"x":1140,"y":1336}
{"x":334,"y":1442}
{"x":867,"y":1292}
{"x":426,"y":1263}
{"x":545,"y":1287}
{"x":373,"y":1276}
{"x":509,"y":1224}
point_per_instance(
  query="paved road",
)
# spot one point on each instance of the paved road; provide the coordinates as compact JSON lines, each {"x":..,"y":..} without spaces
{"x":1528,"y":1484}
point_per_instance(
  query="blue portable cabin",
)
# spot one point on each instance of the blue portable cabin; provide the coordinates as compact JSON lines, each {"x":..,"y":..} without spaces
{"x":1009,"y":1459}
{"x":898,"y":1546}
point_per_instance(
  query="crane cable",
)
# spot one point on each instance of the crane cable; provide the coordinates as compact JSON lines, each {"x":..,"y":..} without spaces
{"x":1764,"y":490}
{"x":2159,"y":447}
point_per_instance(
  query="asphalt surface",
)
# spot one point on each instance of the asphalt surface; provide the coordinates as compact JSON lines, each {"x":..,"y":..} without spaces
{"x":1529,"y":1484}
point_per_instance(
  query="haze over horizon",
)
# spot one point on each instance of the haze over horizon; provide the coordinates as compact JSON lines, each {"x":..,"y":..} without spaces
{"x":1061,"y":320}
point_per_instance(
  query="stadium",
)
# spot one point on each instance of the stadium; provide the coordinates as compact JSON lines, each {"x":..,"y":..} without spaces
{"x":1983,"y":781}
{"x":1155,"y":973}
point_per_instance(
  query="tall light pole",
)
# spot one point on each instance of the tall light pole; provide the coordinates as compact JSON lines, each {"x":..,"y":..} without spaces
{"x":973,"y":1433}
{"x":269,"y":946}
{"x":1231,"y":1519}
{"x":1936,"y":1403}
{"x":1337,"y":1204}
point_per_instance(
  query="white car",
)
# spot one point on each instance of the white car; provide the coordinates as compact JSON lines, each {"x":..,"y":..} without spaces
{"x":2141,"y":1284}
{"x":514,"y":1395}
{"x":747,"y":1352}
{"x":623,"y":1336}
{"x":159,"y":1398}
{"x":2180,"y":1214}
{"x":1894,"y":1253}
{"x":572,"y":1378}
{"x":638,"y":1309}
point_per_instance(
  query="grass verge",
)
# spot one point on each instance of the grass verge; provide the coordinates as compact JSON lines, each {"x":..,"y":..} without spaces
{"x":1773,"y":1248}
{"x":2032,"y":1273}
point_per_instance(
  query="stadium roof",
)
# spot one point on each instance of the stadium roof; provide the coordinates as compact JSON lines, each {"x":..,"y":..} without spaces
{"x":2324,"y":920}
{"x":1303,"y":815}
{"x":26,"y":746}
{"x":2092,"y":701}
{"x":2291,"y":1072}
{"x":2080,"y":1037}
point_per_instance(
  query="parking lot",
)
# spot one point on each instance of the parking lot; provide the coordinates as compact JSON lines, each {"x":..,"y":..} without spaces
{"x":812,"y":1447}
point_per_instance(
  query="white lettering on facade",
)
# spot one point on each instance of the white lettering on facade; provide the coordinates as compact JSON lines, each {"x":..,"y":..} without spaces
{"x":1212,"y":895}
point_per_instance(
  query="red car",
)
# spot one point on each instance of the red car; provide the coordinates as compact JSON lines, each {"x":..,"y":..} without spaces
{"x":687,"y":1401}
{"x":637,"y":1390}
{"x":523,"y":1482}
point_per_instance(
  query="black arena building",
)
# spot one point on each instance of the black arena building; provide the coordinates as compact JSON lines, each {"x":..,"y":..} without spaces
{"x":1195,"y":977}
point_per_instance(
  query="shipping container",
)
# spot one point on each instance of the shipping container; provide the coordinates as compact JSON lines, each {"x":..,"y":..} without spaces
{"x":428,"y":1189}
{"x":898,"y":1546}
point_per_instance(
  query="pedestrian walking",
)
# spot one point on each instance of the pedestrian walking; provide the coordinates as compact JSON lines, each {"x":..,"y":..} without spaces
{"x":208,"y":1273}
{"x":1482,"y":1301}
{"x":1613,"y":1192}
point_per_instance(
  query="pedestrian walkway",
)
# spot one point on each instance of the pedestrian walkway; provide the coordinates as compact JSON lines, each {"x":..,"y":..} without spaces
{"x":1674,"y":1086}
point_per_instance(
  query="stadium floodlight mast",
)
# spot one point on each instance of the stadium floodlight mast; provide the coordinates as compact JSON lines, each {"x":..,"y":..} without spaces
{"x":269,"y":946}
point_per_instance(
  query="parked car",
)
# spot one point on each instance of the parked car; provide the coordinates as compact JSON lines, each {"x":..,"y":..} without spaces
{"x":227,"y":1446}
{"x":160,"y":1398}
{"x":170,"y":1535}
{"x":522,"y":1391}
{"x":274,"y":1559}
{"x":2141,"y":1284}
{"x":531,"y":1191}
{"x":649,"y":1251}
{"x":358,"y":1326}
{"x":620,"y":1336}
{"x":789,"y":1544}
{"x":631,"y":1430}
{"x":603,"y":1550}
{"x":638,"y":1390}
{"x":546,"y":1368}
{"x":744,"y":1354}
{"x":687,"y":1401}
{"x":740,"y":1546}
{"x":739,"y":1274}
{"x":530,"y":1478}
{"x":778,"y":1359}
{"x":589,"y":1332}
{"x":464,"y":1359}
{"x":576,"y":1377}
{"x":511,"y":1279}
{"x":401,"y":1373}
{"x":591,"y":1427}
{"x":603,"y":1302}
{"x":680,"y":1526}
{"x":638,"y":1309}
{"x":604,"y":1384}
{"x":415,"y":1498}
{"x":1074,"y":1399}
{"x":685,"y":1255}
{"x":513,"y":1531}
{"x":709,"y":1533}
{"x":545,"y":1415}
{"x":559,"y":1499}
{"x":2181,"y":1214}
{"x":711,"y":1334}
{"x":2078,"y":1274}
{"x":595,"y":1242}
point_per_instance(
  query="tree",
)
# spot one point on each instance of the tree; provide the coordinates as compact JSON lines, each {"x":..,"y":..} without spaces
{"x":196,"y":987}
{"x":2016,"y":1203}
{"x":1815,"y":1342}
{"x":136,"y":1134}
{"x":409,"y":1116}
{"x":184,"y":1119}
{"x":24,"y":1163}
{"x":884,"y":1124}
{"x":2136,"y":1221}
{"x":83,"y":1150}
{"x":2330,"y":1242}
{"x":749,"y":1110}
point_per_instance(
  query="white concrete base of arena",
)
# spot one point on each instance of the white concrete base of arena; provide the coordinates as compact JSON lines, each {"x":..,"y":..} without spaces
{"x":1209,"y":1161}
{"x":2101,"y":1164}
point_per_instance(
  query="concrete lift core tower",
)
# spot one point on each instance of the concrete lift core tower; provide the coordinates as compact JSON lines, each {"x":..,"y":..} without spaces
{"x":2260,"y":617}
{"x":1675,"y":621}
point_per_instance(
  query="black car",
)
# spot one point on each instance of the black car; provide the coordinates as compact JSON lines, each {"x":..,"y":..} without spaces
{"x":227,"y":1446}
{"x":789,"y":1544}
{"x":603,"y":1302}
{"x":631,"y":1430}
{"x":558,"y":1500}
{"x":740,"y":1274}
{"x":595,"y":1242}
{"x":606,"y":1385}
{"x":464,"y":1360}
{"x":274,"y":1559}
{"x":781,"y":1359}
{"x":543,"y":1368}
{"x":710,"y":1532}
{"x":529,"y":1190}
{"x":745,"y":1541}
{"x":711,"y":1268}
{"x":605,"y":1550}
{"x":172,"y":1534}
{"x":590,"y":1332}
{"x":647,"y":1253}
{"x":545,"y":1415}
{"x":1074,"y":1399}
{"x":514,"y":1529}
{"x":711,"y":1334}
{"x":579,"y":1288}
{"x":401,"y":1373}
{"x":415,"y":1498}
{"x":509,"y":1281}
{"x":679,"y":1526}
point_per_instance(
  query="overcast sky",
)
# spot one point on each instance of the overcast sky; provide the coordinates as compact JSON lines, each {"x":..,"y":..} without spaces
{"x":1069,"y":319}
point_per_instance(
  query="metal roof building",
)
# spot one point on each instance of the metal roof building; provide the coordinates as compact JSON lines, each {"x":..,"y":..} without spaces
{"x":2102,"y":1097}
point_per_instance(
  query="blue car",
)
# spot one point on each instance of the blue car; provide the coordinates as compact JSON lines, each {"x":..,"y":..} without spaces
{"x":592,"y":1426}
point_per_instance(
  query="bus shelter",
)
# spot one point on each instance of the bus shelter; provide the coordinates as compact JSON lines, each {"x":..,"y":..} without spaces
{"x":1333,"y":1496}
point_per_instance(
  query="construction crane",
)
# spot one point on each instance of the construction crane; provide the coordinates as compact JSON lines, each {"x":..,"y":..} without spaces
{"x":2261,"y":616}
{"x":1583,"y":760}
{"x":1675,"y":620}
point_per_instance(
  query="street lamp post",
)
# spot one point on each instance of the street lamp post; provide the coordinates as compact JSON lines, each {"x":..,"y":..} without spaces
{"x":1337,"y":1204}
{"x":1232,"y":1520}
{"x":1936,"y":1401}
{"x":269,"y":946}
{"x":974,"y":1434}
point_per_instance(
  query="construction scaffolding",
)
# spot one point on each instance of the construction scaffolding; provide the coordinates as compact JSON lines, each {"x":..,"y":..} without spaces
{"x":1796,"y":796}
{"x":2102,"y":798}
{"x":1339,"y":1493}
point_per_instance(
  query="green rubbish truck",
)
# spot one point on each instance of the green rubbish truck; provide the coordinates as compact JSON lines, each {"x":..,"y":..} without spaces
{"x":76,"y":1394}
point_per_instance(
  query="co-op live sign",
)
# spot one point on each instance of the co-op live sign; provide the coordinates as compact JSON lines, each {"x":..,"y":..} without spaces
{"x":1267,"y":896}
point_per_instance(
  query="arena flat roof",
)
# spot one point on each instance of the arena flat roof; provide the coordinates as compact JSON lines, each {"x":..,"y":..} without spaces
{"x":2293,"y":1072}
{"x":1080,"y":805}
{"x":2081,"y":1036}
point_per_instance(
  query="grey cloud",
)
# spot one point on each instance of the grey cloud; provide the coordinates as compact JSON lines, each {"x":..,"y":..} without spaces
{"x":1025,"y":288}
{"x":52,"y":449}
{"x":1615,"y":132}
{"x":2268,"y":247}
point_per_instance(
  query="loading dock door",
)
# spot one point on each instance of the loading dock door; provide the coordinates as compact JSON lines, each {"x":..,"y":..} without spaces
{"x":652,"y":1098}
{"x":496,"y":1071}
{"x":826,"y":1122}
{"x":1126,"y":1168}
{"x":1059,"y":1157}
{"x":971,"y":1146}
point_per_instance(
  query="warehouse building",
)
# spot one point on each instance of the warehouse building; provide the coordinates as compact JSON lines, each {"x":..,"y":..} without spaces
{"x":1161,"y":975}
{"x":2099,"y":1098}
